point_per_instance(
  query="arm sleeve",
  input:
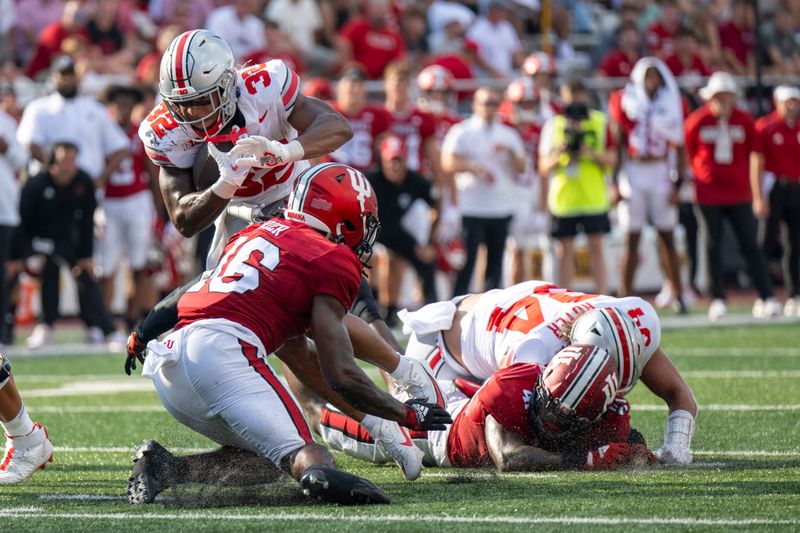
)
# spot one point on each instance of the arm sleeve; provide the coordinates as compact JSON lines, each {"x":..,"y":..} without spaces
{"x":85,"y":245}
{"x":27,"y":132}
{"x":337,"y":274}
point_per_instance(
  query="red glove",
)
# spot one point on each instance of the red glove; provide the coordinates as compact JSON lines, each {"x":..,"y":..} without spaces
{"x":136,"y":351}
{"x":609,"y":457}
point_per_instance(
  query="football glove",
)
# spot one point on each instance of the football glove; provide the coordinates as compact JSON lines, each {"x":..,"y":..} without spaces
{"x":424,"y":416}
{"x":136,"y":350}
{"x":608,"y":457}
{"x":266,"y":153}
{"x":233,"y":170}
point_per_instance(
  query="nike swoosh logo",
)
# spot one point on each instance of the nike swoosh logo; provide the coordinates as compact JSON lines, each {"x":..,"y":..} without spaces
{"x":263,"y":116}
{"x":407,"y":436}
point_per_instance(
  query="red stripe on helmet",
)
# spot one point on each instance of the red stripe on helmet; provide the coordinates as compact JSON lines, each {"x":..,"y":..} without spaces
{"x":624,"y":356}
{"x":178,"y":60}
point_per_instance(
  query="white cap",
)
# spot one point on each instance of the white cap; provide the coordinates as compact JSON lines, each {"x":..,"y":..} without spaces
{"x":719,"y":82}
{"x":786,"y":92}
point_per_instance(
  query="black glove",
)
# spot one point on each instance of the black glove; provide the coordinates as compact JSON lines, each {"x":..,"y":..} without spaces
{"x":424,"y":416}
{"x":135,"y":351}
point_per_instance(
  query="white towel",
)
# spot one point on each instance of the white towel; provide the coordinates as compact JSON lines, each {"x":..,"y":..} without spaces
{"x":437,"y":316}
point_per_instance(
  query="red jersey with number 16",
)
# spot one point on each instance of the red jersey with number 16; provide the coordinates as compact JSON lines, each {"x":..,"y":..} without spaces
{"x":268,"y":277}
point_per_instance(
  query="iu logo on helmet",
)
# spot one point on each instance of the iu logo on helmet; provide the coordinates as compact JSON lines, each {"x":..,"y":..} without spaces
{"x":361,"y":186}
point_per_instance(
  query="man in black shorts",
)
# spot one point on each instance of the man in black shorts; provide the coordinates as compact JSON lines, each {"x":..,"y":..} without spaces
{"x":397,"y":189}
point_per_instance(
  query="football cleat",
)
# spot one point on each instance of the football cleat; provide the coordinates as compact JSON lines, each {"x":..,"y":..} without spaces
{"x":768,"y":308}
{"x":419,"y":384}
{"x":396,"y":440}
{"x":42,"y":335}
{"x":717,"y":310}
{"x":25,"y":455}
{"x":324,"y":482}
{"x":154,"y":470}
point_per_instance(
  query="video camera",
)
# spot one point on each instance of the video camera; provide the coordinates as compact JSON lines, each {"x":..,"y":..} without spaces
{"x":574,"y":135}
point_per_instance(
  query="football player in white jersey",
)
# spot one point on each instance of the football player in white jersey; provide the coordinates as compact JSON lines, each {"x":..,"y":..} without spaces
{"x":475,"y":335}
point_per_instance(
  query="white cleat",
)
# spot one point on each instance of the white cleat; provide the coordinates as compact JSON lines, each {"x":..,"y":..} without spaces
{"x":25,"y":455}
{"x":792,"y":307}
{"x":768,"y":308}
{"x":717,"y":310}
{"x":396,"y":440}
{"x":420,"y":384}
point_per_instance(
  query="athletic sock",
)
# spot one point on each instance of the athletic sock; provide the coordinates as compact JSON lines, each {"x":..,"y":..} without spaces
{"x":403,"y":370}
{"x":20,"y":425}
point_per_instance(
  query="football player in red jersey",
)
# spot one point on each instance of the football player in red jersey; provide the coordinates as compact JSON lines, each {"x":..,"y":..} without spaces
{"x":275,"y":280}
{"x":473,"y":336}
{"x":525,"y":417}
{"x":436,"y":96}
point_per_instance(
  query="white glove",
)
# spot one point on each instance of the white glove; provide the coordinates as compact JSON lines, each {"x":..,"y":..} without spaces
{"x":677,"y":439}
{"x":266,"y":153}
{"x":232,"y":171}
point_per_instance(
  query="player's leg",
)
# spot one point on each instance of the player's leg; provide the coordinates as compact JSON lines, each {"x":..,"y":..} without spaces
{"x":744,"y":224}
{"x":563,"y":231}
{"x":663,"y":214}
{"x":108,"y":248}
{"x":630,"y":260}
{"x":792,"y":252}
{"x":27,"y":446}
{"x":473,"y":235}
{"x":666,"y":240}
{"x":496,"y":237}
{"x":596,"y":226}
{"x":631,"y":216}
{"x":138,"y":231}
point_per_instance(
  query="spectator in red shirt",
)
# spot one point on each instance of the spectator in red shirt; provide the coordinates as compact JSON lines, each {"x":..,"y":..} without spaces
{"x":737,"y":39}
{"x":686,"y":61}
{"x":619,"y":62}
{"x":777,"y":146}
{"x":719,"y":141}
{"x":660,"y":36}
{"x":48,"y":46}
{"x":372,"y":40}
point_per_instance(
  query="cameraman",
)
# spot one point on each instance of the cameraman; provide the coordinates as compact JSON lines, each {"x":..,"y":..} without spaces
{"x":576,"y":151}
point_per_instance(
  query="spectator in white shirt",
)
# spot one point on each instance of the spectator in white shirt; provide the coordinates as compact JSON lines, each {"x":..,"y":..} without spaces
{"x":239,"y":26}
{"x":81,"y":120}
{"x":486,"y":157}
{"x":498,"y":42}
{"x":13,"y":157}
{"x":301,"y":20}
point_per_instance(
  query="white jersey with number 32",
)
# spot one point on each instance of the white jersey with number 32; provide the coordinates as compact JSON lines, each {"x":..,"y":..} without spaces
{"x":528,"y":322}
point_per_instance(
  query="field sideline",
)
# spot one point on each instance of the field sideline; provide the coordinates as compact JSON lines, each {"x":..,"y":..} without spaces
{"x":746,"y":473}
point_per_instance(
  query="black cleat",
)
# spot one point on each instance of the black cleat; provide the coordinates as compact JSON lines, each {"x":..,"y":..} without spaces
{"x":154,"y":469}
{"x":324,"y":482}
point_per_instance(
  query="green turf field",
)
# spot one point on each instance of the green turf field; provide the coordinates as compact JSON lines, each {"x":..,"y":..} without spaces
{"x":746,"y":473}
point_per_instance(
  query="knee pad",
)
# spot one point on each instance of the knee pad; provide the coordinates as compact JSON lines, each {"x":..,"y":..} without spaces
{"x":5,"y":370}
{"x":366,"y":307}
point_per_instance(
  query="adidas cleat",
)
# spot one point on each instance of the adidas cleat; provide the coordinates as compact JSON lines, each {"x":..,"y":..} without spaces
{"x":325,"y":483}
{"x":420,"y":384}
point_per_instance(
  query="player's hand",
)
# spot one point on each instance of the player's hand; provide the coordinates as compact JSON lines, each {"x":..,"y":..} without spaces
{"x":136,"y":350}
{"x":643,"y":454}
{"x":609,"y":457}
{"x":232,"y":171}
{"x":261,"y":152}
{"x":424,"y":416}
{"x":760,"y":209}
{"x":673,"y":455}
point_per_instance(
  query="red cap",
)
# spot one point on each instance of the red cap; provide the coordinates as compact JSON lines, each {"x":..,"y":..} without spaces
{"x":392,"y":147}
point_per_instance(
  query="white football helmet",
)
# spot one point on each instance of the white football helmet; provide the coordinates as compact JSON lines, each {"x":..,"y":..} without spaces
{"x":198,"y":67}
{"x":615,"y":331}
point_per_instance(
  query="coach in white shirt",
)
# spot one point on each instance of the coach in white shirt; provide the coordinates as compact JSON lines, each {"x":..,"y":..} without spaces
{"x":81,"y":120}
{"x":486,"y":157}
{"x":239,"y":26}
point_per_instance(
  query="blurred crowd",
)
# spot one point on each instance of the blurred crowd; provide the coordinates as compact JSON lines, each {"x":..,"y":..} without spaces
{"x":458,"y":109}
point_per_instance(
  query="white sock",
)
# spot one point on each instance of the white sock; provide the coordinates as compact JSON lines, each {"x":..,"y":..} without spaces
{"x":20,"y":425}
{"x":403,"y":370}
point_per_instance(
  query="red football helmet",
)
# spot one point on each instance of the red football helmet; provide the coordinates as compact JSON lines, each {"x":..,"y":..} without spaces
{"x":435,"y":78}
{"x":339,"y":201}
{"x":615,"y":331}
{"x":574,"y":390}
{"x":538,"y":62}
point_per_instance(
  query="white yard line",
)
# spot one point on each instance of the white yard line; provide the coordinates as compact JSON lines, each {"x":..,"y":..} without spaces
{"x":755,"y":353}
{"x":748,"y":374}
{"x":155,"y":408}
{"x":91,"y":388}
{"x":721,"y":407}
{"x":27,"y":512}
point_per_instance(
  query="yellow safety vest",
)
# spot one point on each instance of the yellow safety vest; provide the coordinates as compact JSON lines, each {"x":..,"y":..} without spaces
{"x":579,"y":187}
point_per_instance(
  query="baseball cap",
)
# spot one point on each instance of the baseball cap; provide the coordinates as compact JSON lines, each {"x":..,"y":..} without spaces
{"x":393,"y":147}
{"x":719,"y":82}
{"x":786,"y":92}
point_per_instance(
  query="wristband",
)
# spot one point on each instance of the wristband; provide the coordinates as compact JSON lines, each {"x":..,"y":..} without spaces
{"x":679,"y":430}
{"x":295,"y":150}
{"x":224,"y":189}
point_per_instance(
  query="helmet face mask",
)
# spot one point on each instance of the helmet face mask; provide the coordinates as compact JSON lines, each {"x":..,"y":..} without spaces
{"x":552,"y":420}
{"x":197,"y":73}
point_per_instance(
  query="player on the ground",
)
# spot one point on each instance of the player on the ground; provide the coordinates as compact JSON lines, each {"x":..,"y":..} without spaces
{"x":28,"y":447}
{"x":473,"y":336}
{"x":275,"y":281}
{"x":525,"y":417}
